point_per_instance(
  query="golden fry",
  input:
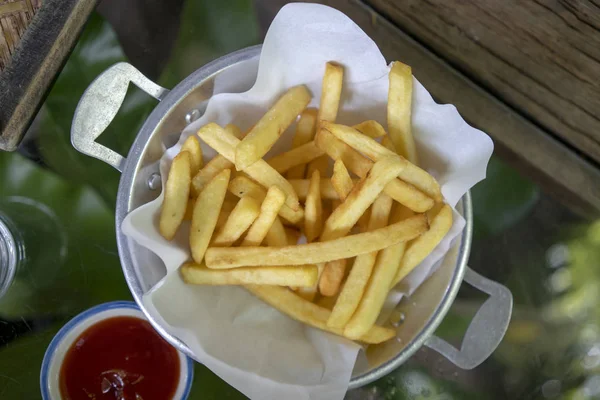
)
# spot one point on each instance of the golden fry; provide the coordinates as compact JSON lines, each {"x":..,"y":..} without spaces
{"x":210,"y":170}
{"x":309,"y":313}
{"x":320,"y":164}
{"x":277,"y":237}
{"x":421,"y":247}
{"x":331,"y":277}
{"x":305,"y":131}
{"x":313,"y":209}
{"x":398,"y":190}
{"x":269,"y":209}
{"x":376,"y":289}
{"x":206,"y":212}
{"x":299,"y":156}
{"x":192,"y":146}
{"x":341,"y":221}
{"x":354,"y":287}
{"x":399,"y":111}
{"x":341,"y":180}
{"x":327,"y":190}
{"x":370,"y":128}
{"x":317,"y":252}
{"x":241,"y":218}
{"x":331,"y":91}
{"x":177,"y":190}
{"x":234,"y":130}
{"x":295,"y":275}
{"x":267,"y":130}
{"x":226,"y":210}
{"x":292,"y":235}
{"x":225,"y":144}
{"x":242,"y":186}
{"x":214,"y":166}
{"x":412,"y":174}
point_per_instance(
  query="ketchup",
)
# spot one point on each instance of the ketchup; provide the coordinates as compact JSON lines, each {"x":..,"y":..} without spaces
{"x":119,"y":358}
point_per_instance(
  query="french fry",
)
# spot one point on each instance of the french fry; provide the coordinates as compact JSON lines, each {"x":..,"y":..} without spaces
{"x":412,"y":174}
{"x":268,"y":129}
{"x":276,"y":237}
{"x":317,"y":252}
{"x":292,"y":235}
{"x":206,"y":212}
{"x":242,"y":186}
{"x":320,"y":164}
{"x":387,"y":143}
{"x":296,"y":275}
{"x":309,"y":313}
{"x":398,"y":190}
{"x":353,"y":289}
{"x":341,"y":221}
{"x":313,"y":225}
{"x":189,"y":209}
{"x":327,"y":190}
{"x":210,"y":170}
{"x":399,"y":111}
{"x":305,"y":131}
{"x":240,"y":219}
{"x":234,"y":130}
{"x":331,"y":91}
{"x":226,"y":210}
{"x":177,"y":190}
{"x":363,"y":221}
{"x":225,"y":144}
{"x":269,"y":208}
{"x":375,"y":292}
{"x":326,"y":302}
{"x":421,"y":247}
{"x":313,"y":209}
{"x":214,"y":166}
{"x":341,"y":180}
{"x":331,"y":277}
{"x":192,"y":146}
{"x":370,"y":128}
{"x":299,"y":156}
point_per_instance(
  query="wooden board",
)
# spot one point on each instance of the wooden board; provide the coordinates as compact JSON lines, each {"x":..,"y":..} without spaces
{"x":15,"y":16}
{"x":541,"y":57}
{"x":560,"y":170}
{"x":34,"y":63}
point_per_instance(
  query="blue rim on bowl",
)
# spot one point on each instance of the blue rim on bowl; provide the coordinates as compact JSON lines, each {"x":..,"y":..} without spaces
{"x":84,"y":316}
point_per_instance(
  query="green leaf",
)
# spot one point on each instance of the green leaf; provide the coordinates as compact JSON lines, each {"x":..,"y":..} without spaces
{"x":209,"y":29}
{"x":20,"y":365}
{"x":502,"y":199}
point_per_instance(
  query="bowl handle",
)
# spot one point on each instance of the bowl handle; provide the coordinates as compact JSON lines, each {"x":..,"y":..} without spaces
{"x":99,"y":105}
{"x":485,"y":331}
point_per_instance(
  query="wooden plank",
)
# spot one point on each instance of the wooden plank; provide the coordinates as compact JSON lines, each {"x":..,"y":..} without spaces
{"x":557,"y":168}
{"x":34,"y":63}
{"x":541,"y":57}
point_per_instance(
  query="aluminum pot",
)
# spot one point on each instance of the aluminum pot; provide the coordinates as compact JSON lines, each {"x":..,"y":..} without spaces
{"x":140,"y":183}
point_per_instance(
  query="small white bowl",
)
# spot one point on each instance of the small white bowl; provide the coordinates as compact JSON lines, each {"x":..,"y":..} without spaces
{"x":55,"y":353}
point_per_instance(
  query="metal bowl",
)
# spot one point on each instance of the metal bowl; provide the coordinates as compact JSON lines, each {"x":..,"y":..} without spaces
{"x":140,"y":183}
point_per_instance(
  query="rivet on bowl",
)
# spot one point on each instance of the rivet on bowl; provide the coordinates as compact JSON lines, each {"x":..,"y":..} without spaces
{"x":154,"y":181}
{"x":192,"y":116}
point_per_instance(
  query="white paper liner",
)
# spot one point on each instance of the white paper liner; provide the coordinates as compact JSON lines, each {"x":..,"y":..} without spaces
{"x":259,"y":351}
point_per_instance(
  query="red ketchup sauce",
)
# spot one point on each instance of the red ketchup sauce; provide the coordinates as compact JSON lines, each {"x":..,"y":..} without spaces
{"x":119,"y":358}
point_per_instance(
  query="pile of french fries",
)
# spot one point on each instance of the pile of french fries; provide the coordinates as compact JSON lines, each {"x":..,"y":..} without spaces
{"x":364,"y":227}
